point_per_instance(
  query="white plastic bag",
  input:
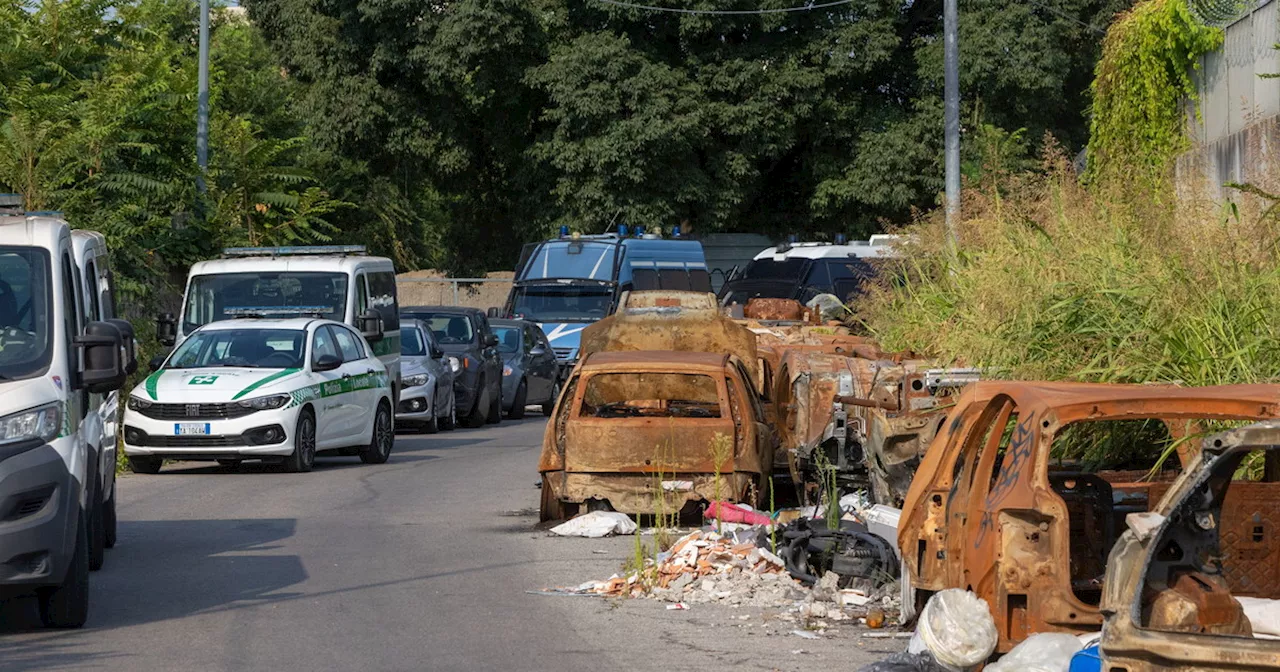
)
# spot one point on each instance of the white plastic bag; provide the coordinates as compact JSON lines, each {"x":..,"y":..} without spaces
{"x":1043,"y":652}
{"x":1264,"y":614}
{"x":957,"y":628}
{"x":596,"y":524}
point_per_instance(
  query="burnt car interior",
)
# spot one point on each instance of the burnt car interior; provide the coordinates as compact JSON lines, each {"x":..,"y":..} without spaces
{"x":656,"y":395}
{"x":1215,"y":564}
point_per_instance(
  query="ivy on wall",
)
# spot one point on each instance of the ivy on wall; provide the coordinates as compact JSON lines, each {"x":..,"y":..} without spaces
{"x":1139,"y":84}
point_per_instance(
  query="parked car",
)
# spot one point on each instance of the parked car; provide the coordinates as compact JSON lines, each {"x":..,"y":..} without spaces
{"x":273,"y":390}
{"x":1023,"y":494}
{"x":427,"y":400}
{"x":1193,"y":584}
{"x":530,"y":374}
{"x":627,"y":420}
{"x":465,"y":334}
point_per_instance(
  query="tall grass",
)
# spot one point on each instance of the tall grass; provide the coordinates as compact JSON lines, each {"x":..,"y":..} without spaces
{"x":1119,"y":283}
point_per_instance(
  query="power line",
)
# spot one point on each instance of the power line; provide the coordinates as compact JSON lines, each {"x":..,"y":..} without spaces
{"x":677,"y":10}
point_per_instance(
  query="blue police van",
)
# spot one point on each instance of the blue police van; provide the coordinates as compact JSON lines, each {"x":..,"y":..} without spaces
{"x":566,"y":283}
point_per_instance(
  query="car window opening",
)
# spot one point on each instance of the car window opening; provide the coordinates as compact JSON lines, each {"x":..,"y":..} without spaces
{"x":620,"y":395}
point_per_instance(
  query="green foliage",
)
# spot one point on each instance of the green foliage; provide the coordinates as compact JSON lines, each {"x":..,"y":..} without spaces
{"x":1142,"y":79}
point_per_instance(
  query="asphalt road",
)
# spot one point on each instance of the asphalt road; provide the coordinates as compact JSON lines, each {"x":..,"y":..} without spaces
{"x":422,"y":563}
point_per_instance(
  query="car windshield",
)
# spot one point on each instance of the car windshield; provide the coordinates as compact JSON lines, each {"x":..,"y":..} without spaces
{"x":769,"y":269}
{"x":449,"y":329}
{"x":250,"y":348}
{"x":212,"y":298}
{"x":578,"y":259}
{"x":26,"y":325}
{"x":618,"y":395}
{"x":562,"y":303}
{"x":508,"y":339}
{"x":411,"y":344}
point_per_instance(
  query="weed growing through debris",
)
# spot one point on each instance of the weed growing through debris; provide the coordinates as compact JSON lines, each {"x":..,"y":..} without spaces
{"x":829,"y":498}
{"x":721,"y":452}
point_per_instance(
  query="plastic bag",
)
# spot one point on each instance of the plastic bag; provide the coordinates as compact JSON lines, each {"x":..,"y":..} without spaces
{"x":1264,"y":614}
{"x":957,"y":628}
{"x":1043,"y":652}
{"x":596,"y":524}
{"x":905,"y":662}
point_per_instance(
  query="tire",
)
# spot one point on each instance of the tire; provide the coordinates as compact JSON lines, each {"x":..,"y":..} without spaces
{"x":549,"y":406}
{"x":495,"y":406}
{"x":384,"y":437}
{"x":477,"y":417}
{"x":66,"y":605}
{"x":517,"y":404}
{"x":432,"y":426}
{"x":303,"y":457}
{"x":551,"y":507}
{"x":109,"y":519}
{"x":97,"y":529}
{"x":449,"y":422}
{"x":229,"y":464}
{"x":146,"y":465}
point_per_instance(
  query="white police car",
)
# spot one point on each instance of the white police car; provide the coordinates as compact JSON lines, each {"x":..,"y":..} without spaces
{"x":278,"y":389}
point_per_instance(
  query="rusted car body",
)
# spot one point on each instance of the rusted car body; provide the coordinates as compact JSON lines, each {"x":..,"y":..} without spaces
{"x":869,"y":419}
{"x":1176,"y":579}
{"x":990,"y":511}
{"x":650,"y":432}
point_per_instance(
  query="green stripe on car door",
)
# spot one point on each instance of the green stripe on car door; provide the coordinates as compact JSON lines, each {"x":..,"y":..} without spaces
{"x":273,"y":377}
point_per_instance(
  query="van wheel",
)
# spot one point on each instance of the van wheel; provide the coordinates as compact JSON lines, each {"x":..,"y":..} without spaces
{"x":303,"y":457}
{"x":146,"y":465}
{"x":109,"y":520}
{"x":66,"y":605}
{"x":517,"y":404}
{"x":97,"y":530}
{"x":549,"y":406}
{"x":495,"y":406}
{"x":384,"y":437}
{"x":477,"y":416}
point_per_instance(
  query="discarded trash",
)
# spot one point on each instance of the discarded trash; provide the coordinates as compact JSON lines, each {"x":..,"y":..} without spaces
{"x":734,"y":513}
{"x":1087,"y":660}
{"x":882,"y":521}
{"x":811,"y":550}
{"x":854,"y":598}
{"x":678,"y":606}
{"x":1042,"y":652}
{"x":596,"y":524}
{"x":677,"y":486}
{"x":599,"y":551}
{"x":957,"y":628}
{"x":855,"y":502}
{"x":805,"y":634}
{"x":1263,"y":614}
{"x":905,"y":662}
{"x":875,"y":618}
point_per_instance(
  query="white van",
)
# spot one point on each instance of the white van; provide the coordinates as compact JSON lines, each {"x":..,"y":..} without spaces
{"x":337,"y":282}
{"x":54,"y":358}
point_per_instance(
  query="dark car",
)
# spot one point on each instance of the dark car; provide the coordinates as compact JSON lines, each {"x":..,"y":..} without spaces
{"x":530,"y":375}
{"x":465,"y":335}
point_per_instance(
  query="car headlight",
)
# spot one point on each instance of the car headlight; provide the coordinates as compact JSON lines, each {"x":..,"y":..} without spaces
{"x":40,"y":423}
{"x":506,"y":370}
{"x":266,"y":403}
{"x":414,"y":381}
{"x":454,"y":364}
{"x":138,"y":403}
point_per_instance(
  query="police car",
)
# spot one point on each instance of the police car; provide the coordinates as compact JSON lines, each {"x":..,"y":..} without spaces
{"x":275,"y":390}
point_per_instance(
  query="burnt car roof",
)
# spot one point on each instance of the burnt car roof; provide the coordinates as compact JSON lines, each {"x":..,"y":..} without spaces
{"x":1063,"y":394}
{"x":673,"y":358}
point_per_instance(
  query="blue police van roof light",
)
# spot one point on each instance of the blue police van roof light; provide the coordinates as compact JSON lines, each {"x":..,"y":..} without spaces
{"x":841,"y":239}
{"x":564,"y":231}
{"x":675,"y":231}
{"x":622,"y":230}
{"x":793,"y":238}
{"x":639,"y":231}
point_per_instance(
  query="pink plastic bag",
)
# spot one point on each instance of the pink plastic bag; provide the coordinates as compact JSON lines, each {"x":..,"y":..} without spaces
{"x":732,"y":513}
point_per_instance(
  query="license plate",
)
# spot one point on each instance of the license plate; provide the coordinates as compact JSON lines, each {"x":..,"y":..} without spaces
{"x":191,"y":429}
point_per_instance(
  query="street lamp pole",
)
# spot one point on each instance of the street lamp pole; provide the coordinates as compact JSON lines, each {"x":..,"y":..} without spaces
{"x":202,"y":101}
{"x":951,"y":96}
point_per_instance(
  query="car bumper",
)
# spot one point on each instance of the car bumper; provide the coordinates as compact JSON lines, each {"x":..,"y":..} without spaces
{"x":248,"y":436}
{"x":39,"y":506}
{"x":416,"y":405}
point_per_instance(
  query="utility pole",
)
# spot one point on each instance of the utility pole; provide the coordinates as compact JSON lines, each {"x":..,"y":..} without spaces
{"x":202,"y":102}
{"x":951,"y":95}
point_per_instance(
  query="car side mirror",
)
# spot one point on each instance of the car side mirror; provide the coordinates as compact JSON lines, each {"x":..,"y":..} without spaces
{"x":128,"y":345}
{"x":326,"y":363}
{"x":491,"y":341}
{"x":166,"y":329}
{"x":437,"y":353}
{"x":493,"y":311}
{"x":104,"y":367}
{"x":155,"y":363}
{"x":371,"y":326}
{"x":538,"y":351}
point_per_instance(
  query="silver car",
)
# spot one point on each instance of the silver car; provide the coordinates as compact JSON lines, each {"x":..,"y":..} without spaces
{"x":426,"y":400}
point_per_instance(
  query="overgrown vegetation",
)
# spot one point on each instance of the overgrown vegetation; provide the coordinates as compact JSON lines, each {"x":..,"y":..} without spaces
{"x":1143,"y":81}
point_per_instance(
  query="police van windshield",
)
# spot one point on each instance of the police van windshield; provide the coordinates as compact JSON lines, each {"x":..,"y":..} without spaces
{"x":250,"y":348}
{"x":562,"y":303}
{"x":212,"y":298}
{"x":26,"y":325}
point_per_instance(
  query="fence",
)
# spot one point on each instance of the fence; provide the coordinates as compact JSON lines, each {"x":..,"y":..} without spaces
{"x":471,"y":292}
